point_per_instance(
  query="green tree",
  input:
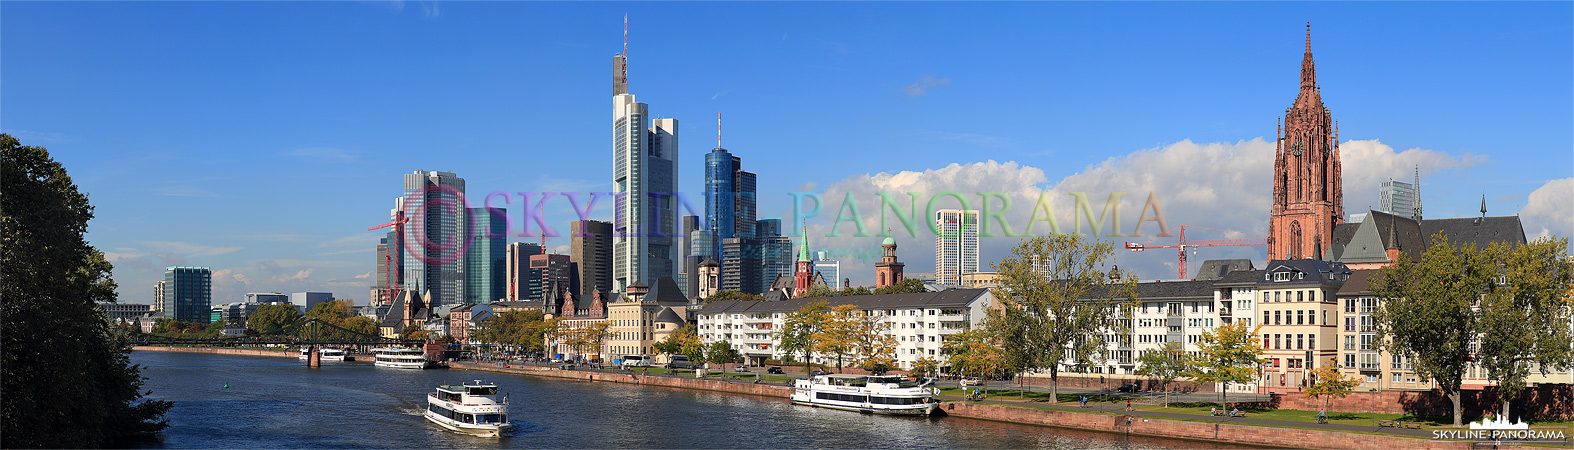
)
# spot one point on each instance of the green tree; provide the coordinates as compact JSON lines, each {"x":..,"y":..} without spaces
{"x":413,"y":332}
{"x":797,"y":332}
{"x":683,"y":341}
{"x":1524,"y":320}
{"x":526,"y":330}
{"x":1331,"y":383}
{"x":1426,"y":311}
{"x":1165,"y":364}
{"x":906,"y":286}
{"x":876,"y":349}
{"x":270,"y":318}
{"x":1057,"y":306}
{"x":361,"y":324}
{"x":978,"y":352}
{"x":818,"y":291}
{"x":721,"y":352}
{"x":926,"y":367}
{"x":838,"y":334}
{"x":68,"y":380}
{"x":860,"y":290}
{"x":730,"y":295}
{"x":1227,"y":354}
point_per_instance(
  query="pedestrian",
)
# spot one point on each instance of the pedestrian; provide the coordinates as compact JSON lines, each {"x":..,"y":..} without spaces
{"x":1128,"y":404}
{"x":1212,"y":411}
{"x":1084,"y":401}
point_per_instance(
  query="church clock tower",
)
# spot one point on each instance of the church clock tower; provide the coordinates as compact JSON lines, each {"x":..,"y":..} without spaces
{"x":1307,"y":195}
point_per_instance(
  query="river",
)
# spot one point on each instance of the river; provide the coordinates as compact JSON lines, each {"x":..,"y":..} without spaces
{"x":224,"y":401}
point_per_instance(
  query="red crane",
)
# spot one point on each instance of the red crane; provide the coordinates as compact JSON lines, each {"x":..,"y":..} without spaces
{"x":389,"y":281}
{"x":1184,"y":244}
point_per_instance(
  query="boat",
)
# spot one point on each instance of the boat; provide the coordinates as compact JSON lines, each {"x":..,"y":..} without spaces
{"x":471,"y":408}
{"x":401,"y":358}
{"x":866,"y":393}
{"x":324,"y":354}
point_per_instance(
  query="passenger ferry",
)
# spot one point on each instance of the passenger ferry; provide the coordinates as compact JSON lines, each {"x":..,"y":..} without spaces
{"x":866,"y":393}
{"x":401,"y":358}
{"x":324,"y":354}
{"x":470,"y":408}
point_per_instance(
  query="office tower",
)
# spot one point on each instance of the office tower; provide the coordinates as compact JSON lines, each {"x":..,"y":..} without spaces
{"x":484,"y":267}
{"x":776,"y":255}
{"x":688,"y":272}
{"x":437,"y":231}
{"x":730,"y":202}
{"x":741,"y":265}
{"x":591,"y":250}
{"x":379,"y":292}
{"x":158,"y":296}
{"x":645,"y":180}
{"x":187,"y":294}
{"x":1400,"y":198}
{"x":524,"y":283}
{"x":267,"y":298}
{"x":304,"y":301}
{"x":830,"y":269}
{"x":553,"y":273}
{"x":956,"y":245}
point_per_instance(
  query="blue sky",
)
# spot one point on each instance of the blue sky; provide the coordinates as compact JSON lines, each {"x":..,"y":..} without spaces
{"x":261,"y":139}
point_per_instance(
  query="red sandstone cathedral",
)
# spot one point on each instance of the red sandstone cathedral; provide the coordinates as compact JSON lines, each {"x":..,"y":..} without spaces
{"x":1307,"y":197}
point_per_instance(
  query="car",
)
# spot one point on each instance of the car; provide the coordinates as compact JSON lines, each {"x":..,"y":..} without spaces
{"x":680,"y":362}
{"x":972,"y":381}
{"x":775,"y":370}
{"x":743,"y":368}
{"x":1128,"y":387}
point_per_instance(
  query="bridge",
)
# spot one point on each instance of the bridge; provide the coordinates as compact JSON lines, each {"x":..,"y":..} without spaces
{"x":303,"y":332}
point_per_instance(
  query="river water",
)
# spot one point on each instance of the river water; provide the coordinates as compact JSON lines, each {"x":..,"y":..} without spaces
{"x":280,"y":403}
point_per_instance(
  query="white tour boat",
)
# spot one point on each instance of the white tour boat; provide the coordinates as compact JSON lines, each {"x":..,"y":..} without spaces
{"x":866,"y":393}
{"x":401,"y":358}
{"x":324,"y":354}
{"x":471,"y":408}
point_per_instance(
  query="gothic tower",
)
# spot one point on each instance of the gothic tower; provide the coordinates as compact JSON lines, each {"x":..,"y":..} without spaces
{"x":803,"y":274}
{"x":1307,"y":197}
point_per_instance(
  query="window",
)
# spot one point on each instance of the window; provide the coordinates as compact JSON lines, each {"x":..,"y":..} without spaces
{"x":1398,"y":363}
{"x":1396,"y":377}
{"x":1349,"y":305}
{"x":1349,"y":343}
{"x":1300,"y":317}
{"x":1281,"y":276}
{"x":1366,"y":344}
{"x":1300,"y":341}
{"x":1276,"y":296}
{"x":1265,"y":317}
{"x":1276,"y":318}
{"x":1311,"y":341}
{"x":1349,"y":360}
{"x":1325,"y":317}
{"x":1300,"y":296}
{"x":1276,"y":338}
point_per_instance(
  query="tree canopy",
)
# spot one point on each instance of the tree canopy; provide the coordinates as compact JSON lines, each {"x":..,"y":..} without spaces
{"x":730,"y":295}
{"x":1330,"y":383}
{"x":1228,"y":354}
{"x":68,"y":380}
{"x":270,"y":318}
{"x":797,"y":332}
{"x":1524,"y":319}
{"x":1166,"y":364}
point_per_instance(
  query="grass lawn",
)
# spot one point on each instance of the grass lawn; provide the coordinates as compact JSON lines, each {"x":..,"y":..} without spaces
{"x":1363,"y":419}
{"x":1009,"y":394}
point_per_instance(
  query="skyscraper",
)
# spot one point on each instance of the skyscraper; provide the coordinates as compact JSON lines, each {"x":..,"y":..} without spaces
{"x":956,"y":245}
{"x":644,"y":183}
{"x":831,"y":269}
{"x":741,"y":265}
{"x":188,"y":294}
{"x":688,"y":271}
{"x":730,"y":203}
{"x":437,"y":230}
{"x":1397,"y":198}
{"x":776,"y":255}
{"x":158,"y":296}
{"x":524,"y":283}
{"x":591,"y":249}
{"x":484,"y":266}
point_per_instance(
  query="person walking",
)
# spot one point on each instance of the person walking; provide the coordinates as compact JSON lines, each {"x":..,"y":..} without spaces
{"x":1084,"y":401}
{"x":1128,"y":404}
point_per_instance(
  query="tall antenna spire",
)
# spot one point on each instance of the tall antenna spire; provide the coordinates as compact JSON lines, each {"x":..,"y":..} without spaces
{"x":626,"y":35}
{"x":718,"y":130}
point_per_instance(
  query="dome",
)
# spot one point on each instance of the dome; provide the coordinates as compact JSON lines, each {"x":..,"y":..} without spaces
{"x":889,"y":241}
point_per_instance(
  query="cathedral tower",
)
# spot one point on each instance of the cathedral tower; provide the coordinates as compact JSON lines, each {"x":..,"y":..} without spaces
{"x":1307,"y":195}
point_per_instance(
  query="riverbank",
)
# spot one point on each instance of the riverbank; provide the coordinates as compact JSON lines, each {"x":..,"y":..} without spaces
{"x":280,"y":353}
{"x":1258,"y":432}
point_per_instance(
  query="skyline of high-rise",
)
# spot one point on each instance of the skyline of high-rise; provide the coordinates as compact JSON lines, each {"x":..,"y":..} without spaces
{"x":433,"y":201}
{"x":956,"y":245}
{"x":645,"y":180}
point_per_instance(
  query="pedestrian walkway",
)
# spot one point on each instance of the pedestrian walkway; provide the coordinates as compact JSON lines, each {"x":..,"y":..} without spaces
{"x":1120,"y":409}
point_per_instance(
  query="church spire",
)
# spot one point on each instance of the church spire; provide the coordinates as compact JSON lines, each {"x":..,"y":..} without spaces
{"x":1308,"y":70}
{"x":1417,"y":211}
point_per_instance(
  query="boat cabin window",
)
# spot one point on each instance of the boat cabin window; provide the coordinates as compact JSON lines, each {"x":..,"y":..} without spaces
{"x":490,"y":418}
{"x":491,"y":390}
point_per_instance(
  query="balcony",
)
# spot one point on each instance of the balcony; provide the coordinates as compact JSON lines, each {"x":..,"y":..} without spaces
{"x":1371,"y":367}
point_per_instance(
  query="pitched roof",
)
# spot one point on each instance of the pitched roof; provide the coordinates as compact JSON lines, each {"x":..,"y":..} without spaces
{"x":1215,"y":269}
{"x":1360,"y":282}
{"x":1477,"y":230}
{"x":1317,"y":272}
{"x":950,"y":297}
{"x":1240,"y":278}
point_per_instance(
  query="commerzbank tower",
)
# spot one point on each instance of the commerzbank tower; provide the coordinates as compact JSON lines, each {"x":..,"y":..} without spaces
{"x":644,"y":185}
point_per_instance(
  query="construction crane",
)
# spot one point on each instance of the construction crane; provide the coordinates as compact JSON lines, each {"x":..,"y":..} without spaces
{"x":389,"y":281}
{"x":1184,"y":244}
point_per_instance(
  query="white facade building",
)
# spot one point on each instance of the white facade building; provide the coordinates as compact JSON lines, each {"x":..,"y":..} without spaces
{"x":956,"y":245}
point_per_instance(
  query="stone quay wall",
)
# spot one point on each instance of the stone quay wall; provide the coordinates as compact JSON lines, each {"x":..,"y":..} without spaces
{"x":287,"y":353}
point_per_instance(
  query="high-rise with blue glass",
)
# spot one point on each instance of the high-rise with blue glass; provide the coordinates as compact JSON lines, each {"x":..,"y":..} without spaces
{"x":187,"y":294}
{"x":434,"y":203}
{"x":484,"y":270}
{"x":729,"y":198}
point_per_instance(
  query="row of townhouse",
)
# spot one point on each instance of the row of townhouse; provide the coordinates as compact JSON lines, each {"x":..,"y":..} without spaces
{"x":918,"y":321}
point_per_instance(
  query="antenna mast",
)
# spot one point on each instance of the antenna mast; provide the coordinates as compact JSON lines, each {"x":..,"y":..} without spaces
{"x":718,"y":130}
{"x":625,"y":35}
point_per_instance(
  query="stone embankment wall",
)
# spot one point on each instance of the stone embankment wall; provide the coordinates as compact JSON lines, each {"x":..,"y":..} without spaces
{"x":769,"y":390}
{"x":222,"y":351}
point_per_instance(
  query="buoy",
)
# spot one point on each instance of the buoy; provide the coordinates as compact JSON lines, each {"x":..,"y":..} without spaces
{"x":226,"y":385}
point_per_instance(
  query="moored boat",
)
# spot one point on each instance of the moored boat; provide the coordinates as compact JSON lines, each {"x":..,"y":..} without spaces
{"x":866,"y":393}
{"x":324,"y":354}
{"x":401,"y":358}
{"x":471,"y":408}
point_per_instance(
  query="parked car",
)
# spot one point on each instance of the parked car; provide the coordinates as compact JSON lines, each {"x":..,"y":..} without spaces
{"x":775,"y":370}
{"x":1128,"y":387}
{"x":743,"y":368}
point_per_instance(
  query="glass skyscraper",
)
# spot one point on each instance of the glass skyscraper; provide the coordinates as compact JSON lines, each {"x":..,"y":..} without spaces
{"x":188,"y":294}
{"x":956,"y":246}
{"x":729,"y":198}
{"x":438,"y":231}
{"x":484,"y":269}
{"x":644,"y":185}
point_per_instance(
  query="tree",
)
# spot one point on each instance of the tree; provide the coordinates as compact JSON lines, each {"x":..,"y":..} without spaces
{"x":361,"y":324}
{"x":906,"y":286}
{"x":721,"y":352}
{"x":270,"y":318}
{"x":68,"y":379}
{"x":797,"y":332}
{"x":1524,"y":320}
{"x":683,"y":341}
{"x":838,"y":334}
{"x":1166,"y":364}
{"x":1426,"y":312}
{"x":818,"y":291}
{"x":1227,"y":354}
{"x":860,"y":290}
{"x":412,"y":332}
{"x":977,"y":352}
{"x":524,"y":329}
{"x":926,"y":367}
{"x":1331,"y":383}
{"x":584,"y":338}
{"x":730,"y":295}
{"x":1057,"y":307}
{"x":875,"y":349}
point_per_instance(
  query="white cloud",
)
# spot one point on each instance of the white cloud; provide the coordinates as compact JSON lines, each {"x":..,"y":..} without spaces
{"x":919,"y":88}
{"x":1215,"y":185}
{"x":1367,"y":164}
{"x":1547,"y":208}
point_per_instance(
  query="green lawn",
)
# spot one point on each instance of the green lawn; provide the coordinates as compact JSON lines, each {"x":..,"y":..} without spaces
{"x":1295,"y":415}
